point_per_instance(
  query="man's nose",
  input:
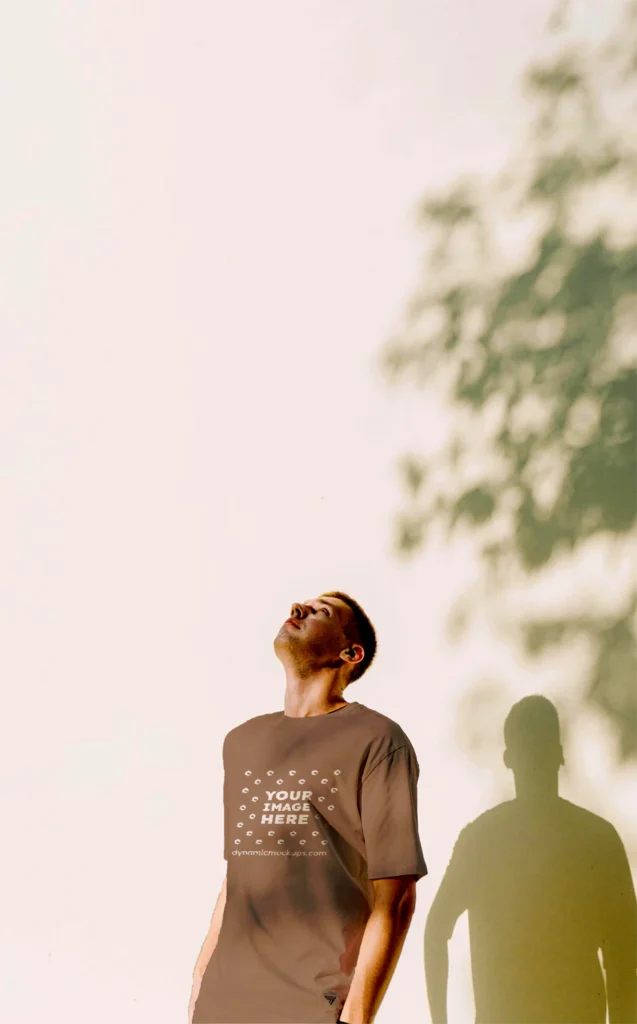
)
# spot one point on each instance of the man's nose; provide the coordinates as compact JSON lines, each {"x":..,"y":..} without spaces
{"x":298,"y":611}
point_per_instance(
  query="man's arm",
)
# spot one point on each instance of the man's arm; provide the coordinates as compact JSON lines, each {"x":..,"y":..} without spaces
{"x":381,"y":946}
{"x":437,"y":934}
{"x":450,"y":902}
{"x":208,"y":947}
{"x":619,"y":940}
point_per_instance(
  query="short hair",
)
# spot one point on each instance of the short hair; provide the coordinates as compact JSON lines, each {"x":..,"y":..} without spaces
{"x":364,"y":632}
{"x":532,"y":723}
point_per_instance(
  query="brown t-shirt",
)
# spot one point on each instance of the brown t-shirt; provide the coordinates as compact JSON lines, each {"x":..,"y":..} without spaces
{"x":315,"y":808}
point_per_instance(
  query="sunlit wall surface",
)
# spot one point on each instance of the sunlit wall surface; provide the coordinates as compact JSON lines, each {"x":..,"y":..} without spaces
{"x":222,"y":330}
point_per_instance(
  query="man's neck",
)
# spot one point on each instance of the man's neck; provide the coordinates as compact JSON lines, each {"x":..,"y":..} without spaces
{"x":314,"y":695}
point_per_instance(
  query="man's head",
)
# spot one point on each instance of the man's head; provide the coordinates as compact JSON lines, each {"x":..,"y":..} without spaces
{"x":532,"y":736}
{"x":330,"y":631}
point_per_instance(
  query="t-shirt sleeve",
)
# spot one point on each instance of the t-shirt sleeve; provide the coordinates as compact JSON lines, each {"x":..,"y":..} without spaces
{"x":389,"y":816}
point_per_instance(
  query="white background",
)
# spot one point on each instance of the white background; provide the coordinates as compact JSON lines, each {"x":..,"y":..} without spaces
{"x":207,"y":234}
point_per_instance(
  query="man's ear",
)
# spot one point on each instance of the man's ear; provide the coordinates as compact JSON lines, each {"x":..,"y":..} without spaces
{"x":354,"y":654}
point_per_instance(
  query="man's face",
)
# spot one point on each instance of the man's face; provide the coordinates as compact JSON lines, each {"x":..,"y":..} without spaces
{"x":316,"y":631}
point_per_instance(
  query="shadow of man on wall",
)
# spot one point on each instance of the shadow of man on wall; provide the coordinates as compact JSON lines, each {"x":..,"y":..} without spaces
{"x":547,"y":887}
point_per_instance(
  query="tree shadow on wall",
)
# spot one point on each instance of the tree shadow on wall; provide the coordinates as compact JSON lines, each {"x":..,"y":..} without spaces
{"x":547,"y":887}
{"x":539,"y":362}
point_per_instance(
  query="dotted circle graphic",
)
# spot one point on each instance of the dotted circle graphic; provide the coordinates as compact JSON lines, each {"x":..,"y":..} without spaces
{"x":292,"y":772}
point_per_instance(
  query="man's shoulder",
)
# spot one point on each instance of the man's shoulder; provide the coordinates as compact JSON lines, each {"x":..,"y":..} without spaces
{"x":381,"y":737}
{"x":378,"y":731}
{"x":386,"y":728}
{"x":250,"y":723}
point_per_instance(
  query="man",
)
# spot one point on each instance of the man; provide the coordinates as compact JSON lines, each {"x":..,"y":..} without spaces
{"x":321,"y":839}
{"x":548,"y":886}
